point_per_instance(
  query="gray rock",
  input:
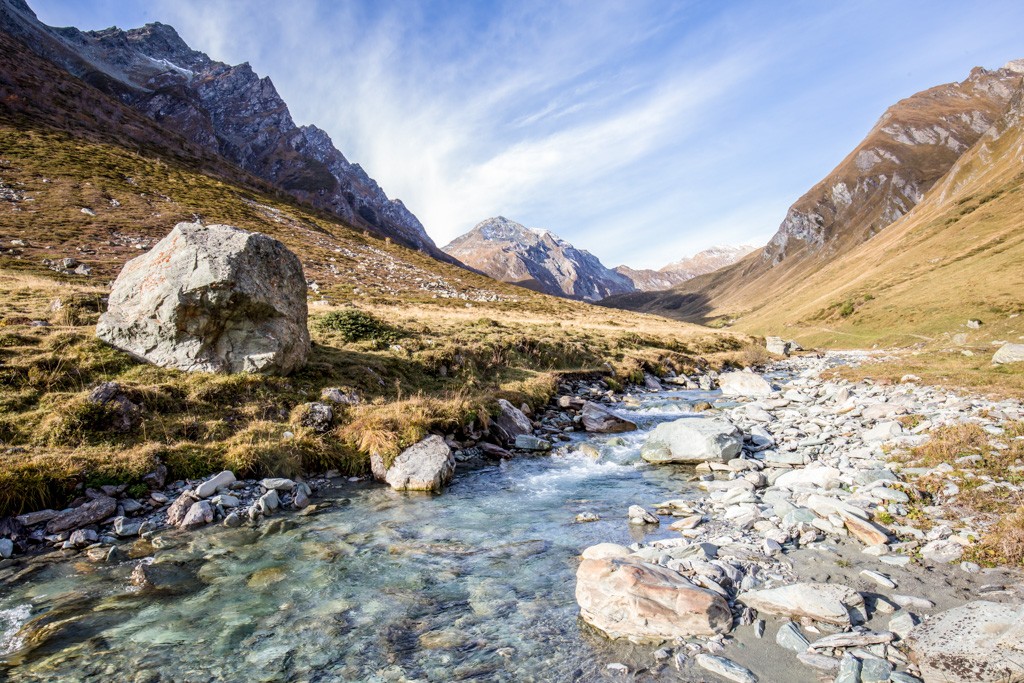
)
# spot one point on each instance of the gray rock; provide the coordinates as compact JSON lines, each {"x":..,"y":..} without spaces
{"x":6,"y":548}
{"x":233,"y":519}
{"x":211,"y":298}
{"x":529,"y":442}
{"x":268,"y":502}
{"x":942,"y":551}
{"x":637,"y":515}
{"x":851,"y":639}
{"x":510,"y":422}
{"x":82,"y":538}
{"x":95,"y":510}
{"x":902,"y":623}
{"x":874,"y":670}
{"x":277,"y":484}
{"x":1009,"y":353}
{"x":38,"y":517}
{"x":791,"y":638}
{"x":818,"y":661}
{"x":849,"y":669}
{"x":831,"y":603}
{"x":597,"y":418}
{"x":426,"y":466}
{"x":318,"y":417}
{"x":979,"y":642}
{"x":199,"y":514}
{"x":743,"y":384}
{"x":126,"y":528}
{"x":778,"y":346}
{"x":217,"y":482}
{"x":180,"y":507}
{"x":726,"y":668}
{"x":692,"y":440}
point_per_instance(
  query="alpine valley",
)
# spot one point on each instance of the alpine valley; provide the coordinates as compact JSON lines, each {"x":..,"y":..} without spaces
{"x":255,"y":425}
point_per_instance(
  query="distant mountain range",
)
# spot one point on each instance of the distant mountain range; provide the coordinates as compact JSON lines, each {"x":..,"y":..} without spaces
{"x":225,"y":110}
{"x":921,"y":224}
{"x":540,"y":260}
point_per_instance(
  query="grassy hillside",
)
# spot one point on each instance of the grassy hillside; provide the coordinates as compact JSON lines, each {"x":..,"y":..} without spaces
{"x":442,"y":343}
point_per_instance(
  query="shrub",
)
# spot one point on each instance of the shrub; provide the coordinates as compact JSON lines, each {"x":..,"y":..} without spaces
{"x":355,"y":325}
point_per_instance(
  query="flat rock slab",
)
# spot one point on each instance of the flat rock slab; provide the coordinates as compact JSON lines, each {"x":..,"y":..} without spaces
{"x":830,"y":603}
{"x":980,"y":642}
{"x":743,"y":384}
{"x":625,"y":597}
{"x":88,"y":513}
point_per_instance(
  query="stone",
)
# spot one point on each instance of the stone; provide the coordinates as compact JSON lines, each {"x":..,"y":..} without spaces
{"x":979,"y":642}
{"x":1009,"y":353}
{"x":180,"y":507}
{"x":830,"y":603}
{"x":818,"y":661}
{"x":216,"y":483}
{"x":6,"y":548}
{"x":164,"y":577}
{"x":851,"y":639}
{"x":122,"y":413}
{"x":93,"y":511}
{"x":849,"y":669}
{"x":584,"y":517}
{"x":883,"y":431}
{"x":865,"y":531}
{"x":318,"y":417}
{"x":126,"y":528}
{"x":213,"y":299}
{"x":743,"y":384}
{"x":510,"y":422}
{"x":879,"y":578}
{"x":823,"y":477}
{"x":604,"y":551}
{"x":692,"y":440}
{"x":726,"y":668}
{"x":627,"y":598}
{"x":597,"y":418}
{"x":199,"y":514}
{"x":529,"y":442}
{"x":903,"y":622}
{"x":942,"y":551}
{"x":913,"y":602}
{"x":790,"y":637}
{"x":426,"y":466}
{"x":637,"y":515}
{"x":277,"y":484}
{"x":38,"y":517}
{"x":233,"y":519}
{"x":268,"y":502}
{"x":777,"y":345}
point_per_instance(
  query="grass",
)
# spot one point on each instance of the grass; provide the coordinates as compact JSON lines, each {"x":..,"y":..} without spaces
{"x":986,"y":467}
{"x":940,"y":366}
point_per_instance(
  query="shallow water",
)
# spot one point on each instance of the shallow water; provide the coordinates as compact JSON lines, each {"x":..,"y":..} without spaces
{"x":474,"y":584}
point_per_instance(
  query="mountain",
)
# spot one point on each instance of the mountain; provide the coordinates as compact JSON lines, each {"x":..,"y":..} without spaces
{"x":215,"y":106}
{"x":673,"y":274}
{"x":916,"y":143}
{"x":536,"y":259}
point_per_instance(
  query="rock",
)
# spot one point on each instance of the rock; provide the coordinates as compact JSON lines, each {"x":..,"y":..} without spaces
{"x":879,"y":578}
{"x":849,"y":669}
{"x":777,"y":345}
{"x":157,"y":478}
{"x":830,"y":603}
{"x":851,"y":639}
{"x":345,"y":397}
{"x":637,"y":515}
{"x":817,"y":661}
{"x":865,"y":531}
{"x":126,"y":528}
{"x":199,"y":514}
{"x":743,"y":384}
{"x":38,"y":517}
{"x":627,"y":598}
{"x":688,"y":522}
{"x":277,"y":484}
{"x":215,"y":483}
{"x":300,"y":499}
{"x":875,"y":670}
{"x":883,"y":431}
{"x":6,"y":548}
{"x":510,"y":422}
{"x":214,"y":299}
{"x":942,"y":551}
{"x":318,"y":417}
{"x":790,"y":637}
{"x":164,"y":577}
{"x":692,"y":440}
{"x":822,"y":477}
{"x":529,"y":442}
{"x":94,"y":511}
{"x":726,"y":668}
{"x":979,"y":642}
{"x":587,"y":517}
{"x":233,"y":519}
{"x":82,"y":538}
{"x":604,"y":551}
{"x":902,"y":623}
{"x":123,"y":413}
{"x":180,"y":507}
{"x":913,"y":602}
{"x":597,"y":418}
{"x":1009,"y":353}
{"x":426,"y":466}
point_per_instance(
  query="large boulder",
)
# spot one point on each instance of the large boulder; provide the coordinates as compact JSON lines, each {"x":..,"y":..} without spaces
{"x":211,"y":298}
{"x":743,"y":384}
{"x":426,"y":466}
{"x":510,"y":422}
{"x":980,"y":642}
{"x":597,"y":418}
{"x":1009,"y":353}
{"x":625,"y":597}
{"x":831,"y":603}
{"x":692,"y":440}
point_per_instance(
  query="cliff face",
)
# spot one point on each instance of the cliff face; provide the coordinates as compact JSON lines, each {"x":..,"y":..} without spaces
{"x":537,"y":259}
{"x":219,"y":107}
{"x":676,"y":273}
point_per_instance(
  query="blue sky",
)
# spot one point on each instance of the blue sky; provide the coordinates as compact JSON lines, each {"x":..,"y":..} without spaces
{"x":642,"y":131}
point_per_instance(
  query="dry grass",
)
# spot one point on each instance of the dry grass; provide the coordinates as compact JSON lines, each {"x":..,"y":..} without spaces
{"x":937,"y":366}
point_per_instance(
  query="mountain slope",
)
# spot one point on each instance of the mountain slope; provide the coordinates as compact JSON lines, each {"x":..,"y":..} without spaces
{"x":536,"y":259}
{"x":219,"y":107}
{"x":676,"y":273}
{"x":911,"y":147}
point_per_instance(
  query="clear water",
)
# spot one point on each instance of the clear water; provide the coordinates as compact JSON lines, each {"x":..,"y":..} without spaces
{"x":474,"y":584}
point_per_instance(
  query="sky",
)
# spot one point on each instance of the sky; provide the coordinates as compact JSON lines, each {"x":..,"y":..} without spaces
{"x":640,"y":130}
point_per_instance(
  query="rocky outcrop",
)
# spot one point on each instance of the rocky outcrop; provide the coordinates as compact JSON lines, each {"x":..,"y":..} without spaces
{"x":214,"y":299}
{"x":701,"y":263}
{"x":426,"y":466}
{"x":228,"y":109}
{"x":980,"y":642}
{"x":537,"y":259}
{"x":692,"y":440}
{"x":627,"y":598}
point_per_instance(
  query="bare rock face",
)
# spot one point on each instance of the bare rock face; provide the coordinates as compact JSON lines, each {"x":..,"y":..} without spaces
{"x":213,"y":299}
{"x":627,"y":598}
{"x":426,"y":466}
